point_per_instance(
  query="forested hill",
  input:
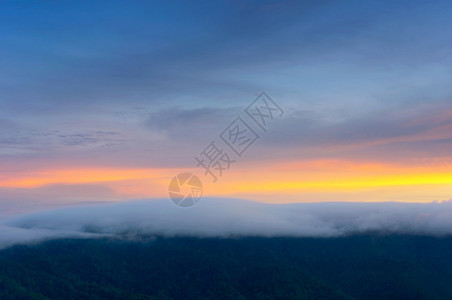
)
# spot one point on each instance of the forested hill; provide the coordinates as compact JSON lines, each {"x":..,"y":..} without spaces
{"x":355,"y":267}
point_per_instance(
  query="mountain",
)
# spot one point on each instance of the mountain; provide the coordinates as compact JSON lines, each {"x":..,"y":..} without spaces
{"x":371,"y":266}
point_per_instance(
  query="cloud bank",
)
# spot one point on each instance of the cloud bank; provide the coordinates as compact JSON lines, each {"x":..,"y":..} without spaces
{"x":229,"y":218}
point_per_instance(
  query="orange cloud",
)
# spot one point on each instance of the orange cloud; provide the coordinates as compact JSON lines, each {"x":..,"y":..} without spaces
{"x":338,"y":180}
{"x":315,"y":180}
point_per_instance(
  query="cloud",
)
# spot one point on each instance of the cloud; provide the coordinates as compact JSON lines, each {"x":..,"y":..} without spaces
{"x":384,"y":134}
{"x":10,"y":236}
{"x":157,"y":51}
{"x":229,"y":218}
{"x":191,"y":75}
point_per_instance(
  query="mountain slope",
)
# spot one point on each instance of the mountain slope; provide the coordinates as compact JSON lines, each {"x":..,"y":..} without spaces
{"x":355,"y":267}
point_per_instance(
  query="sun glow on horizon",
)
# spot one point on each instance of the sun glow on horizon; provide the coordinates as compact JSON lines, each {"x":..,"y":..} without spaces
{"x":289,"y":179}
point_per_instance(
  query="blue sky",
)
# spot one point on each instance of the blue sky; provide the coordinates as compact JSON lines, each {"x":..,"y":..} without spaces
{"x":130,"y":84}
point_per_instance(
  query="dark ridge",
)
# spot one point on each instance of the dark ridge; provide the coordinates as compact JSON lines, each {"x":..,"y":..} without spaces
{"x":353,"y":267}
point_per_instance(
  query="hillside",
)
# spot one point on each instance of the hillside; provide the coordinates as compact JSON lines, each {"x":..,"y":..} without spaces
{"x":356,"y":267}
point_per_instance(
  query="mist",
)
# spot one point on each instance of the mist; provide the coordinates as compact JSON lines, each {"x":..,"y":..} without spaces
{"x":226,"y":218}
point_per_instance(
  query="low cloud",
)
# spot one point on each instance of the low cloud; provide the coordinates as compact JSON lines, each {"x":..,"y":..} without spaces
{"x":10,"y":236}
{"x":229,"y":218}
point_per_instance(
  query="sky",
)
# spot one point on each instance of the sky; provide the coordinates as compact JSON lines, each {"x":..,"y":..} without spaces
{"x":107,"y":101}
